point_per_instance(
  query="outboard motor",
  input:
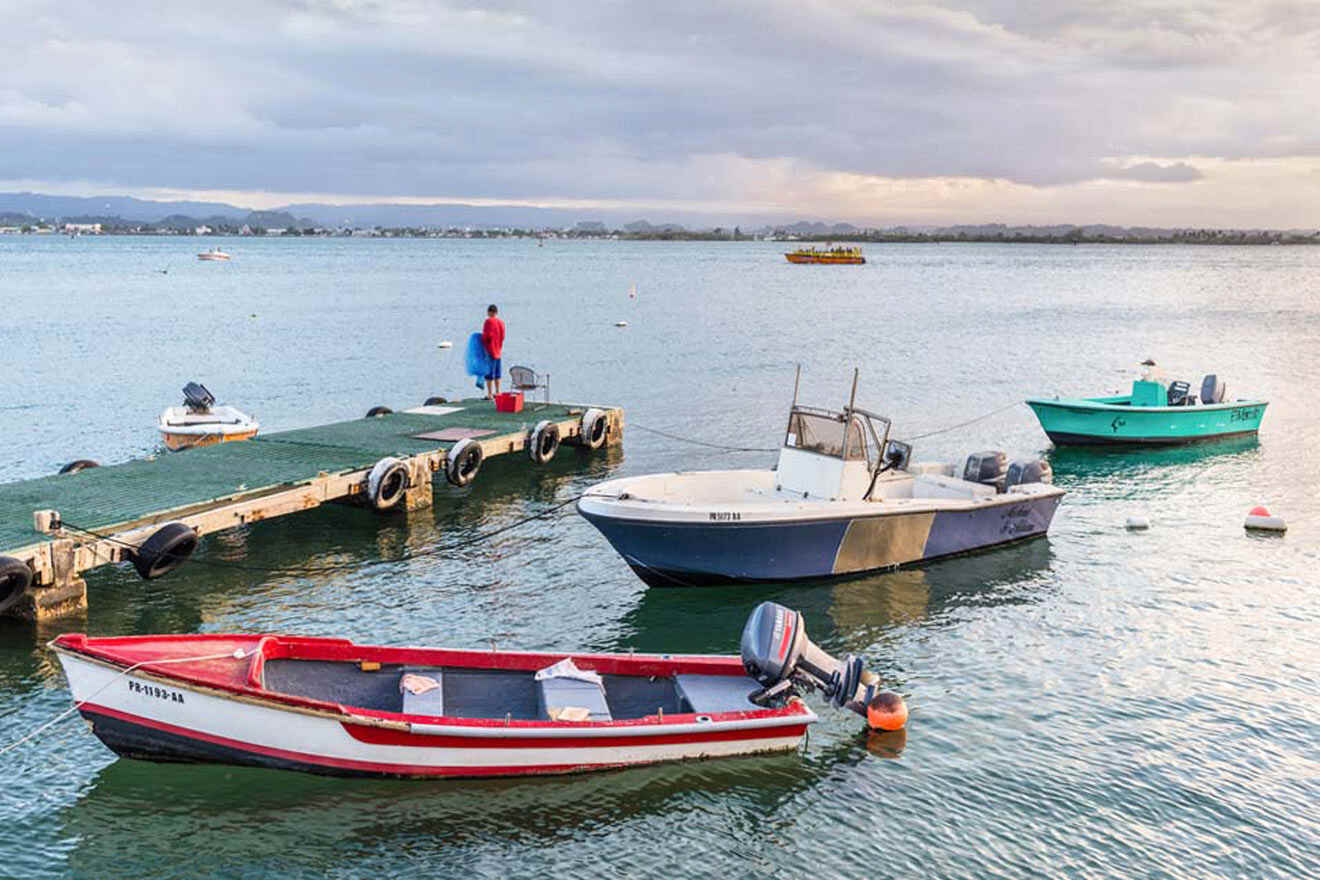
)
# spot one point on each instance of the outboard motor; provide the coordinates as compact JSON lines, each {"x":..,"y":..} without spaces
{"x":777,"y":653}
{"x":1178,"y":393}
{"x":197,"y":398}
{"x":1032,"y":471}
{"x":987,"y":468}
{"x":1212,"y":389}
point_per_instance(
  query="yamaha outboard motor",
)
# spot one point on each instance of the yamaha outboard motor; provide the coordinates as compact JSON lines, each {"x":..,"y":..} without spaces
{"x":197,"y":398}
{"x":777,"y":653}
{"x":1212,"y":389}
{"x":988,"y":468}
{"x":1029,"y":471}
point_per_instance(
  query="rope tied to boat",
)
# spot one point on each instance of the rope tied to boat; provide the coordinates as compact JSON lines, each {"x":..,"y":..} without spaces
{"x":980,"y":418}
{"x":236,"y":654}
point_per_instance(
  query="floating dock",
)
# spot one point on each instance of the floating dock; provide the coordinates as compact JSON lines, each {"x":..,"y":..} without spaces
{"x":383,"y":461}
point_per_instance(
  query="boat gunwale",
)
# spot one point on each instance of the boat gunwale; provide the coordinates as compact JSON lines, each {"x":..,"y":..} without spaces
{"x":793,"y":713}
{"x":1098,"y":404}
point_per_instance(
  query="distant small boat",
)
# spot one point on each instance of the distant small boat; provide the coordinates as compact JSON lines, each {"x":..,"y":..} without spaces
{"x":620,"y":323}
{"x":850,"y":256}
{"x":333,"y":707}
{"x":445,"y":343}
{"x":199,"y":422}
{"x":1153,"y":414}
{"x":213,"y":254}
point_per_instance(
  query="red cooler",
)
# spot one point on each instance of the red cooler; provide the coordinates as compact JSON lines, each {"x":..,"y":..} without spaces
{"x":509,"y":401}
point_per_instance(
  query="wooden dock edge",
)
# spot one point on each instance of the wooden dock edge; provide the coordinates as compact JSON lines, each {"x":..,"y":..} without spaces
{"x":58,"y":589}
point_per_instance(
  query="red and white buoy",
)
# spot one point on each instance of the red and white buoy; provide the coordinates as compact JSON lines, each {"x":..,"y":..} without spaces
{"x":1261,"y":520}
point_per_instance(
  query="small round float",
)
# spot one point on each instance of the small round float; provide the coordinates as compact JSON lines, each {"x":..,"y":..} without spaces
{"x":1259,"y":519}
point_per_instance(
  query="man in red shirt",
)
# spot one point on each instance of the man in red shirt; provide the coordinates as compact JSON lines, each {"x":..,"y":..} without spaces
{"x":492,"y":336}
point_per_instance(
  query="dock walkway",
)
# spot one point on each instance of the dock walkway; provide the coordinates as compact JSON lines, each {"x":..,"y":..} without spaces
{"x":212,"y":488}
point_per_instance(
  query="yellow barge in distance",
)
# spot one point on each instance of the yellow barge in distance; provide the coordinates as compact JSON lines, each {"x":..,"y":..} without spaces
{"x":851,"y":256}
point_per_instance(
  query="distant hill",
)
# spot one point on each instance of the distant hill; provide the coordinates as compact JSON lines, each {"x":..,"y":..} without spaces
{"x":36,"y":205}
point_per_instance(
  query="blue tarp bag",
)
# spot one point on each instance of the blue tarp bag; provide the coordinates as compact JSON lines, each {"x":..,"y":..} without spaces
{"x":479,"y":363}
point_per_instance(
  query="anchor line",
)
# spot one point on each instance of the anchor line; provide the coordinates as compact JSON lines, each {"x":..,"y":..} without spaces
{"x":347,"y":566}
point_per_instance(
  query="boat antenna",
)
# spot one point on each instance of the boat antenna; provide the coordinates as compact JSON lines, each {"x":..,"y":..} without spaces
{"x":852,"y":399}
{"x":797,"y":378}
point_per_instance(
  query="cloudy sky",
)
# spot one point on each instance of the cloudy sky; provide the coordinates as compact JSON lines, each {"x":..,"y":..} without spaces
{"x":1138,"y":112}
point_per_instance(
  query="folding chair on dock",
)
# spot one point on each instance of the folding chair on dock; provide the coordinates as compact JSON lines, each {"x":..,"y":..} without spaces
{"x":526,"y":380}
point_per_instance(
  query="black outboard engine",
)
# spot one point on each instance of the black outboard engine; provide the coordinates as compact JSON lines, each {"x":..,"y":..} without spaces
{"x":197,"y":398}
{"x":1178,"y":392}
{"x":986,"y":467}
{"x":777,"y":653}
{"x":1212,"y":389}
{"x":1031,"y":471}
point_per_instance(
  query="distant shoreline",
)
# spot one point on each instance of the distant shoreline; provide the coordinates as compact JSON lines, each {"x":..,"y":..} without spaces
{"x":1209,"y":237}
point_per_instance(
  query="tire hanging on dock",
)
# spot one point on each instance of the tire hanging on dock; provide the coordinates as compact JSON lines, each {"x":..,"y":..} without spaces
{"x":435,"y":401}
{"x":379,"y":411}
{"x":81,"y":464}
{"x":543,"y":442}
{"x":595,"y":428}
{"x":387,"y":483}
{"x":167,"y":548}
{"x":463,"y":462}
{"x":15,"y":576}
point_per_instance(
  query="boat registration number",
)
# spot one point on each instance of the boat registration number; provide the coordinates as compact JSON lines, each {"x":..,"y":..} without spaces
{"x":151,"y":690}
{"x":1244,"y":415}
{"x":725,"y":516}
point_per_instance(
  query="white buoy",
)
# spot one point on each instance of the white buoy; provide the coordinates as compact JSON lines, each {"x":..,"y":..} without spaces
{"x":1138,"y":523}
{"x":445,"y":344}
{"x":1261,"y":520}
{"x":620,"y":323}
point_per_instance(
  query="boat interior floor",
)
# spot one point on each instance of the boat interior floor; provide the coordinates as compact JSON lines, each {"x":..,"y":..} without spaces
{"x":500,"y":693}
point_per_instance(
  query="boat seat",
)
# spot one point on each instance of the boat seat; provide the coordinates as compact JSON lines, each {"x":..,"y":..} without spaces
{"x":561,"y":691}
{"x":712,"y":694}
{"x":430,"y":703}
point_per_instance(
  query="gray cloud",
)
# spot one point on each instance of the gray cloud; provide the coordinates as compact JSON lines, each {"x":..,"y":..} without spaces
{"x":590,"y":100}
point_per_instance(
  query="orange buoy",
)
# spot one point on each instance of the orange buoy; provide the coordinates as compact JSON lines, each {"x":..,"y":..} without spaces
{"x":886,"y":711}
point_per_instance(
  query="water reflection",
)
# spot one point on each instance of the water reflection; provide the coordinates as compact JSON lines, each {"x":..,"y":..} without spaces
{"x":844,"y":615}
{"x":1076,"y":465}
{"x":250,"y":814}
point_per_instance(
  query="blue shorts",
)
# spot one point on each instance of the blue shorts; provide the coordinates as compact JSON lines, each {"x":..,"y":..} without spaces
{"x":494,"y":372}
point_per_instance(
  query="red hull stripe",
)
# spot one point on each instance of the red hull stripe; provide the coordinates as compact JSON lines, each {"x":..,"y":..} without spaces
{"x":383,"y":736}
{"x":367,"y":766}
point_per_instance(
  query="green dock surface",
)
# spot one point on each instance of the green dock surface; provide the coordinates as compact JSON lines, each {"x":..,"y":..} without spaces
{"x":122,"y":493}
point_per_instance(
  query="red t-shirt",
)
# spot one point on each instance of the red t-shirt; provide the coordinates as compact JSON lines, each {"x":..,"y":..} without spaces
{"x":492,"y":335}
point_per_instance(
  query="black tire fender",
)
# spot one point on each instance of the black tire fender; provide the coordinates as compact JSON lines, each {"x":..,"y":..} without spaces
{"x":81,"y":464}
{"x":463,"y":462}
{"x":543,"y":442}
{"x":379,"y":411}
{"x":435,"y":401}
{"x":167,"y":548}
{"x":386,"y":483}
{"x":595,"y":428}
{"x":15,"y":576}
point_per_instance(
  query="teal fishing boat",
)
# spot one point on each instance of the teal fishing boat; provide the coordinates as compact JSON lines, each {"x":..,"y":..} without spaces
{"x":1154,"y":413}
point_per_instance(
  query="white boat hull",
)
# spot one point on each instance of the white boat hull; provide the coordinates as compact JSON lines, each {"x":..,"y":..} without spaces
{"x":157,"y":718}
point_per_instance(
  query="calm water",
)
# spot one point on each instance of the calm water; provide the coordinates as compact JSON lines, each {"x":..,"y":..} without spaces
{"x":1100,"y":703}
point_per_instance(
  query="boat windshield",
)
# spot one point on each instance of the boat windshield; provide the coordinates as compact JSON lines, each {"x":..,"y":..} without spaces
{"x":824,"y":433}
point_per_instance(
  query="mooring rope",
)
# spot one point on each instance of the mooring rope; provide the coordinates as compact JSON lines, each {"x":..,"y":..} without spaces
{"x":719,"y":446}
{"x":236,"y":654}
{"x":345,"y":566}
{"x":980,"y":418}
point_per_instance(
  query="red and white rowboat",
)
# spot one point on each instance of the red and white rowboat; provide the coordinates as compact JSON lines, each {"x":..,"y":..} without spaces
{"x":334,"y":707}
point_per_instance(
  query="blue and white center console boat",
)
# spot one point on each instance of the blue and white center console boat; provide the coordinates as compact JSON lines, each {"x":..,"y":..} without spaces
{"x":842,"y":500}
